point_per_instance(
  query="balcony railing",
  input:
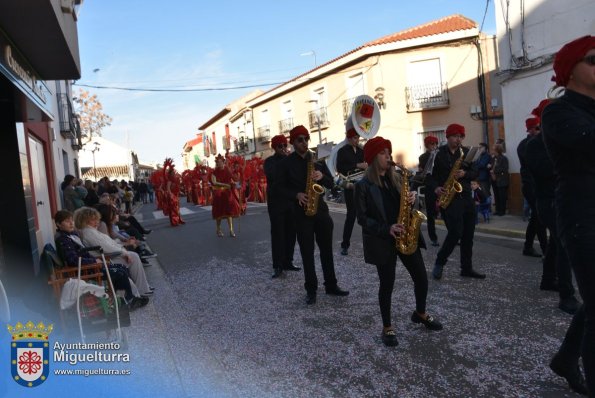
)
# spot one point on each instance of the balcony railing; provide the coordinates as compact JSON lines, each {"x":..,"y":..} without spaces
{"x":69,"y":126}
{"x":263,"y":133}
{"x":427,"y":96}
{"x":319,"y":115}
{"x":285,"y":125}
{"x":347,"y":105}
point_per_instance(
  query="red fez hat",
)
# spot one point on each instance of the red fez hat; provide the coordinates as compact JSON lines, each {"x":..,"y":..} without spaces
{"x":351,"y":133}
{"x":278,"y":140}
{"x":296,"y":132}
{"x":570,"y":55}
{"x":539,"y":110}
{"x":374,"y":146}
{"x":454,"y":129}
{"x":429,"y":140}
{"x":532,"y":122}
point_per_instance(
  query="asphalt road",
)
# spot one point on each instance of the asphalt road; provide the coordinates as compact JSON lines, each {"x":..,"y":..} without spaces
{"x":222,"y":327}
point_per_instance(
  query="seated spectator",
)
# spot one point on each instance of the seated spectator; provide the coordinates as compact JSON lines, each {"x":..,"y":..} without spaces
{"x":108,"y":226}
{"x":126,"y":222}
{"x":86,"y":220}
{"x":69,"y":246}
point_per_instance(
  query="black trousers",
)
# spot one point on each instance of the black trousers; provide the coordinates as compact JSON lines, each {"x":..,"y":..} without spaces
{"x":430,"y":199}
{"x":535,"y":227}
{"x":317,"y":228}
{"x":459,"y":218}
{"x":282,"y":236}
{"x":350,"y":218}
{"x":414,"y":264}
{"x":578,"y":241}
{"x":501,"y":196}
{"x":556,"y":262}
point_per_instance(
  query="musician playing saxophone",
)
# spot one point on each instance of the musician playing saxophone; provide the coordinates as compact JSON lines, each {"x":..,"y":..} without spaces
{"x":378,"y":206}
{"x":318,"y":227}
{"x":350,"y":160}
{"x":459,"y":215}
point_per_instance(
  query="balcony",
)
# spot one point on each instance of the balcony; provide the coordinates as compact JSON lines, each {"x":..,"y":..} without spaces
{"x":347,"y":105}
{"x":285,"y":125}
{"x":319,"y":115}
{"x":427,"y":96}
{"x":263,"y":134}
{"x":70,"y":127}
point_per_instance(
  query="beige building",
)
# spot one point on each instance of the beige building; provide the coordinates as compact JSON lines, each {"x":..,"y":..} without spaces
{"x":423,"y":79}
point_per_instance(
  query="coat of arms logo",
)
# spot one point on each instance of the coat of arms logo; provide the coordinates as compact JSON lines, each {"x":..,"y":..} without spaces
{"x":30,"y":353}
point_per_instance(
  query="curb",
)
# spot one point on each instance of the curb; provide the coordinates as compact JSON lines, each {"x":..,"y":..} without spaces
{"x":509,"y":233}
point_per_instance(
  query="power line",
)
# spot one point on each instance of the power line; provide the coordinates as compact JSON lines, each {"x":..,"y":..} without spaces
{"x":175,"y":90}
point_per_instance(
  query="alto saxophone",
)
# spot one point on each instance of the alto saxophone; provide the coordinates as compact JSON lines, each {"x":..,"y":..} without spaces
{"x":410,"y":218}
{"x":451,"y":186}
{"x":313,"y":190}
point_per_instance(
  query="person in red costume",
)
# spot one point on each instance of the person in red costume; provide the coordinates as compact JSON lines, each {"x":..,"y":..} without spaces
{"x":172,"y":192}
{"x":224,"y":204}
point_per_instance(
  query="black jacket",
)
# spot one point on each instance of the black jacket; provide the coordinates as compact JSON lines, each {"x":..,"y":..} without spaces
{"x":347,"y":158}
{"x":443,"y":163}
{"x":379,"y":245}
{"x":568,"y":126}
{"x":541,"y":168}
{"x":292,"y":179}
{"x":275,"y":198}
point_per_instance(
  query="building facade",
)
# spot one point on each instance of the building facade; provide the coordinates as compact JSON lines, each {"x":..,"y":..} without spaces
{"x":527,"y":43}
{"x":38,"y":137}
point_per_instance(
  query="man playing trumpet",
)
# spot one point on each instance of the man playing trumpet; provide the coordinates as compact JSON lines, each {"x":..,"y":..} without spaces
{"x":350,"y":160}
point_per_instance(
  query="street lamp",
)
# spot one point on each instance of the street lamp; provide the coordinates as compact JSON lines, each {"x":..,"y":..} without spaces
{"x":97,"y":144}
{"x":314,"y":101}
{"x":311,"y":52}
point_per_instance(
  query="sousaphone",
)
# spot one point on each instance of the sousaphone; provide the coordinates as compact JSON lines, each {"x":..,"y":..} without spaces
{"x":365,"y":119}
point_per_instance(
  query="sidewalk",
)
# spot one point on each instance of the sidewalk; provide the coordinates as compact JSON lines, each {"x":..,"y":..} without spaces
{"x":511,"y":226}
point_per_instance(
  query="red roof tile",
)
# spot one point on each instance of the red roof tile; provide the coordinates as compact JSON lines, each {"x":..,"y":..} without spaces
{"x":448,"y":24}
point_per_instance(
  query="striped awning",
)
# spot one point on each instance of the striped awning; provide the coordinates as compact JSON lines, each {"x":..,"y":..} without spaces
{"x":112,"y":172}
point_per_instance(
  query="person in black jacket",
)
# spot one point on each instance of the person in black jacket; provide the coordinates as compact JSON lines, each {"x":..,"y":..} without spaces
{"x":378,"y":200}
{"x":459,"y":216}
{"x":568,"y":125}
{"x":350,"y":159}
{"x":556,"y":269}
{"x":280,"y":211}
{"x":534,"y":227}
{"x":431,"y":144}
{"x":319,"y":227}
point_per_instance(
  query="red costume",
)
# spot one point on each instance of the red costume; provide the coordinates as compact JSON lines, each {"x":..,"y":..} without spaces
{"x":172,"y":192}
{"x":224,"y":202}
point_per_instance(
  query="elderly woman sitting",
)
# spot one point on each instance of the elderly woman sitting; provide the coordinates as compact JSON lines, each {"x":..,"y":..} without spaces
{"x":86,"y":220}
{"x":70,"y":247}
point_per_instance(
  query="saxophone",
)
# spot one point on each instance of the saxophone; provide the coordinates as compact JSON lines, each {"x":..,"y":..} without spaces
{"x":313,"y":190}
{"x":410,"y":218}
{"x":451,"y":185}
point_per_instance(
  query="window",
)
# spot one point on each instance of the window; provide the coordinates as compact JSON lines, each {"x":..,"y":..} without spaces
{"x":425,"y":86}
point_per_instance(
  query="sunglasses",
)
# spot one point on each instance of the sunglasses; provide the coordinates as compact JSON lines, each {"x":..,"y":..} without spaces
{"x":282,"y":146}
{"x":589,"y":60}
{"x":302,"y":139}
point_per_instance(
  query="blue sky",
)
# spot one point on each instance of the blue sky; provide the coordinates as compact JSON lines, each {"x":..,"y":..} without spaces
{"x":200,"y":44}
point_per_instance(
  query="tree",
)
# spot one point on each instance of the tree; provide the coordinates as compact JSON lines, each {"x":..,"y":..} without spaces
{"x":91,"y":117}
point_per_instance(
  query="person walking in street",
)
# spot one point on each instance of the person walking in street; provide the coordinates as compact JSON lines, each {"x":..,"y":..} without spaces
{"x":297,"y":170}
{"x":350,"y":160}
{"x":280,"y":211}
{"x":378,"y":203}
{"x":426,"y":160}
{"x":459,"y":215}
{"x":569,"y":134}
{"x":535,"y":226}
{"x":557,"y":274}
{"x":224,"y":204}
